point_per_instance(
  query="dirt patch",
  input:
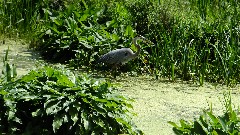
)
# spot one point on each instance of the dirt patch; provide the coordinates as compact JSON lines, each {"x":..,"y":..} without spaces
{"x":156,"y":101}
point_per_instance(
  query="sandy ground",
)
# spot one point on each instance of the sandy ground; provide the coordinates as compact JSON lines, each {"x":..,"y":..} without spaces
{"x":156,"y":101}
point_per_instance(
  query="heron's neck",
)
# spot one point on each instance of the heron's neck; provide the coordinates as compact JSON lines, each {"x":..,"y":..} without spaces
{"x":137,"y":46}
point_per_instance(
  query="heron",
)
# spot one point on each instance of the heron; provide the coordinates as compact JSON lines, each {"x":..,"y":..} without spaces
{"x":121,"y":56}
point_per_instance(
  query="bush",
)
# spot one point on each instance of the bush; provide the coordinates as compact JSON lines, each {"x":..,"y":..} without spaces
{"x":80,"y":35}
{"x":208,"y":123}
{"x":55,"y":101}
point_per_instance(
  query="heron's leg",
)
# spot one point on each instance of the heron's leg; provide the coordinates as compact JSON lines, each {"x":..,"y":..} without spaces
{"x":114,"y":70}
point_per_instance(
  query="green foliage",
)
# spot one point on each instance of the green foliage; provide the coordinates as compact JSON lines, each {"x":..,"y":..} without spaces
{"x":55,"y":101}
{"x":20,"y":17}
{"x":79,"y":35}
{"x":208,"y":123}
{"x":195,"y":39}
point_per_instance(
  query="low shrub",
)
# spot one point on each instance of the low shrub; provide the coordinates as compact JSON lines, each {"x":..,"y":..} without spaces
{"x":55,"y":101}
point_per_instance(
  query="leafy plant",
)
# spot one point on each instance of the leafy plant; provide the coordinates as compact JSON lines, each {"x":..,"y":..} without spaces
{"x":55,"y":101}
{"x":208,"y":123}
{"x":192,"y":37}
{"x":81,"y":36}
{"x":8,"y":72}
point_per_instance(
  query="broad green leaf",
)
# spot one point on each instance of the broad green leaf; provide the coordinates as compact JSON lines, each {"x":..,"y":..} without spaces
{"x":214,"y":132}
{"x":123,"y":122}
{"x":84,"y":43}
{"x":129,"y":105}
{"x":85,"y":100}
{"x":74,"y":114}
{"x":213,"y":118}
{"x":173,"y":124}
{"x":115,"y":37}
{"x":52,"y":106}
{"x":129,"y":31}
{"x":109,"y":23}
{"x":29,"y":77}
{"x":47,"y":11}
{"x":184,"y":124}
{"x":57,"y":122}
{"x":86,"y":124}
{"x":101,"y":100}
{"x":16,"y":119}
{"x":111,"y":104}
{"x":199,"y":126}
{"x":233,"y":115}
{"x":2,"y":92}
{"x":11,"y":115}
{"x":56,"y":21}
{"x":100,"y":122}
{"x":84,"y":17}
{"x":53,"y":29}
{"x":29,"y":97}
{"x":48,"y":32}
{"x":223,"y":124}
{"x":49,"y":71}
{"x":64,"y":81}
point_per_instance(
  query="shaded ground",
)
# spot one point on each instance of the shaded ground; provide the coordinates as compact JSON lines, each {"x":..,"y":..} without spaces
{"x":156,"y":101}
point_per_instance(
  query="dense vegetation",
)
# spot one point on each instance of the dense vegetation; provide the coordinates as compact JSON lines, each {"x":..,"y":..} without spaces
{"x":197,"y":40}
{"x":55,"y":101}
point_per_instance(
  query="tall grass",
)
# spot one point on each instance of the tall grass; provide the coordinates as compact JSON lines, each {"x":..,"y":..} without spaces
{"x":200,"y":40}
{"x":16,"y":16}
{"x":21,"y":17}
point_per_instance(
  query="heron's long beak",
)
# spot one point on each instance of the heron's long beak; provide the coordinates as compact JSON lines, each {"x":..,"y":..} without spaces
{"x":148,"y":41}
{"x":145,"y":40}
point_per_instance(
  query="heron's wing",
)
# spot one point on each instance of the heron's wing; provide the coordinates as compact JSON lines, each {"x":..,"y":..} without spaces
{"x":116,"y":56}
{"x":107,"y":58}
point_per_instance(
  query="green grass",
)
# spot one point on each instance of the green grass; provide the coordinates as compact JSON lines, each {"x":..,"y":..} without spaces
{"x":21,"y":17}
{"x":195,"y":40}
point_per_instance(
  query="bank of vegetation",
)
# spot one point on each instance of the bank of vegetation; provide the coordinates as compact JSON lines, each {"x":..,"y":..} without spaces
{"x":195,"y":40}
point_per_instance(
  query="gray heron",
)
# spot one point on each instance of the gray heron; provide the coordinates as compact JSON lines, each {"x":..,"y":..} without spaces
{"x":123,"y":55}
